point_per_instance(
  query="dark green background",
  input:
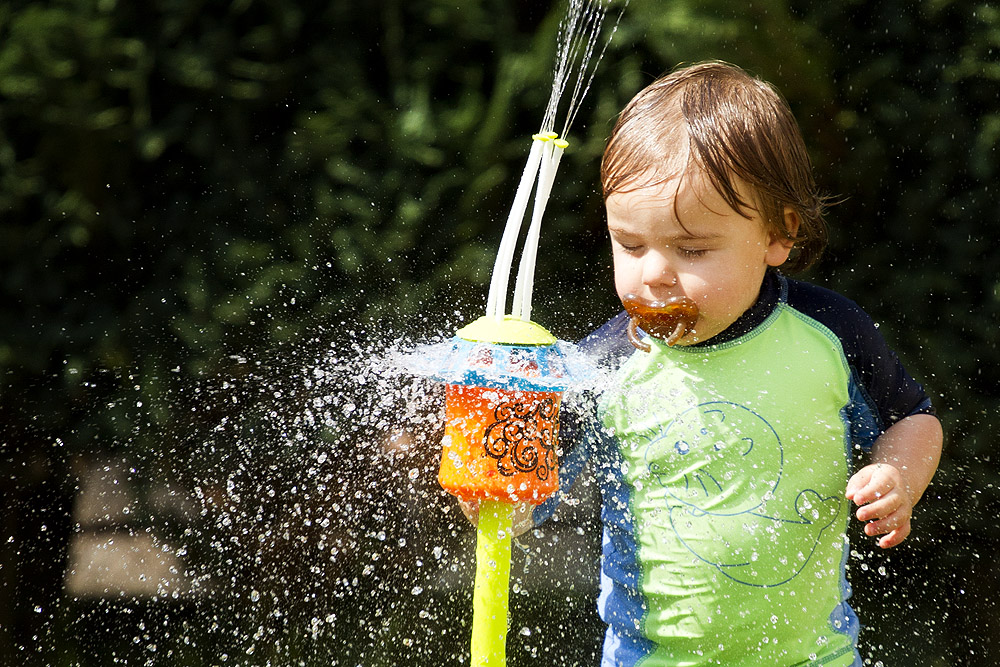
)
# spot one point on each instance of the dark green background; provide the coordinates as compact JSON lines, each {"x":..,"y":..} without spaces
{"x":199,"y":200}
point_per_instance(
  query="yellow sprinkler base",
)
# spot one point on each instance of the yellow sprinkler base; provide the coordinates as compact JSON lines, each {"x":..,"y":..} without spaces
{"x":510,"y":330}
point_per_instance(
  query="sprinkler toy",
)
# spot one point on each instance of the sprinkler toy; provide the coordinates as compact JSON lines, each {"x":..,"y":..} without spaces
{"x":504,"y":385}
{"x":505,"y":374}
{"x":504,"y":379}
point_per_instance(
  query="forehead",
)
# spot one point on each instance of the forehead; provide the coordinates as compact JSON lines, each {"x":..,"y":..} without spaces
{"x":650,"y":136}
{"x":685,"y":206}
{"x":690,"y":192}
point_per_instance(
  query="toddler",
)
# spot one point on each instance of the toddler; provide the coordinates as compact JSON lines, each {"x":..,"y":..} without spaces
{"x":725,"y":459}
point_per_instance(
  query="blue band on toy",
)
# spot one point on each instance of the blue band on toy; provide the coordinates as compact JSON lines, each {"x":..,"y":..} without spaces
{"x":556,"y":367}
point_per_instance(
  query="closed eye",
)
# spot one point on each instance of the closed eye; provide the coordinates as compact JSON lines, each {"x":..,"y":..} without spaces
{"x":630,"y":249}
{"x":692,"y":253}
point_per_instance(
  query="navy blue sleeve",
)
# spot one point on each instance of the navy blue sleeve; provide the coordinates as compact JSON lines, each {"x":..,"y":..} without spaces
{"x":609,"y":345}
{"x":889,"y":391}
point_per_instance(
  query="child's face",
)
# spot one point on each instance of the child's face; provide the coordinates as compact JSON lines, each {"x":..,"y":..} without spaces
{"x":717,"y":258}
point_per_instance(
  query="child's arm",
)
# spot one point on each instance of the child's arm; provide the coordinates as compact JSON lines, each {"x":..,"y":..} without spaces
{"x":904,"y":459}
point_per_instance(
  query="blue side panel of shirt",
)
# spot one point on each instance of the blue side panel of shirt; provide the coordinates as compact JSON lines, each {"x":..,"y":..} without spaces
{"x":622,"y":604}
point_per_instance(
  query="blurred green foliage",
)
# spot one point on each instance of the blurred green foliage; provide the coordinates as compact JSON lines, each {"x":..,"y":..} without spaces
{"x":916,"y":124}
{"x":184,"y":184}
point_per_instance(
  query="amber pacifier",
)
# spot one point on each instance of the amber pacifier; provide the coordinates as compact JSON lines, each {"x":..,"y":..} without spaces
{"x":668,"y":320}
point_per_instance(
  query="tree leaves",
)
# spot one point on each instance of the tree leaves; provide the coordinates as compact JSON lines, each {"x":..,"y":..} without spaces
{"x":203,"y":179}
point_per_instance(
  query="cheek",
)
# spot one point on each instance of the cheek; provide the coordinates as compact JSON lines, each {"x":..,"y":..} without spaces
{"x":627,"y":270}
{"x":725,"y":292}
{"x":710,"y":289}
{"x":701,"y":279}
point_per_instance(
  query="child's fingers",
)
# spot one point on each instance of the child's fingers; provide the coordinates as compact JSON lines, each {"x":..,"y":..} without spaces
{"x":879,"y":491}
{"x":858,"y":481}
{"x":881,"y":508}
{"x":877,"y":480}
{"x":895,"y":537}
{"x":470,"y":508}
{"x":887,"y":524}
{"x":522,"y":521}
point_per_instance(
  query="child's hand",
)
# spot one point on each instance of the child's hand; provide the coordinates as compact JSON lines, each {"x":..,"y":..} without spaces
{"x":884,"y":502}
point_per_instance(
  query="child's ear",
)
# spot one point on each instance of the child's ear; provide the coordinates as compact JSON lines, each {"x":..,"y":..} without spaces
{"x":779,"y":247}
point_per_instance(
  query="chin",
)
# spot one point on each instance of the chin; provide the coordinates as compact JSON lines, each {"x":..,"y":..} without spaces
{"x":696,"y":336}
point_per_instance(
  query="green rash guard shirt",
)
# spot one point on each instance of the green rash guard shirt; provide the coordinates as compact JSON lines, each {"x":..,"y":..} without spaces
{"x":723,"y":470}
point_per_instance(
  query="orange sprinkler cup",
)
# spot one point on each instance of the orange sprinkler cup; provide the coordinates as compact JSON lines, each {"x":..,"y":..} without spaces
{"x":500,"y":444}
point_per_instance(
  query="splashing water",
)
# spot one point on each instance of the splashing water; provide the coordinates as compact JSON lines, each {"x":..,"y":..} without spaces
{"x":509,"y":372}
{"x":317,"y":529}
{"x":579,"y":33}
{"x":317,"y":532}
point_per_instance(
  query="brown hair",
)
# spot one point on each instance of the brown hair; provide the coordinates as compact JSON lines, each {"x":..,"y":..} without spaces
{"x":738,"y":129}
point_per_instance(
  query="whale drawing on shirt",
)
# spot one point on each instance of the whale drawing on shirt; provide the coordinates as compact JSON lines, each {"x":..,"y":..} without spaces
{"x":721,"y":464}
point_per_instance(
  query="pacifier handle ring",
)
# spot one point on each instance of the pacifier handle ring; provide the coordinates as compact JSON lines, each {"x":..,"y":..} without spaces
{"x":633,"y":336}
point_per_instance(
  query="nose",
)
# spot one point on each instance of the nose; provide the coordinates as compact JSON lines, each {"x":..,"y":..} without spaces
{"x":657,"y":271}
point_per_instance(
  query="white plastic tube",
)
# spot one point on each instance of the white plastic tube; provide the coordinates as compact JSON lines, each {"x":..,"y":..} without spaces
{"x":496,"y":302}
{"x":524,"y":286}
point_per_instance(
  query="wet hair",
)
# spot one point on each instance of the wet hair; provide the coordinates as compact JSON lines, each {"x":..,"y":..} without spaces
{"x":738,"y":130}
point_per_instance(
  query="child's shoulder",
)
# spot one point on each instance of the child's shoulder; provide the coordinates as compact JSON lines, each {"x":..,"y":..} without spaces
{"x":819,"y":301}
{"x":845,"y":318}
{"x":892,"y":391}
{"x":609,"y":342}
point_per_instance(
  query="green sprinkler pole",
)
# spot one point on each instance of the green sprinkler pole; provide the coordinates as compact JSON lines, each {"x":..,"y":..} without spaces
{"x":490,"y":595}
